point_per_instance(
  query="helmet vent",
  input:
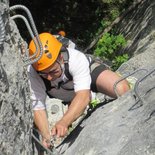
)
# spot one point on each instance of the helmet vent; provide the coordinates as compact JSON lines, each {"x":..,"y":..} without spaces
{"x":46,"y":48}
{"x":46,"y":51}
{"x":49,"y":55}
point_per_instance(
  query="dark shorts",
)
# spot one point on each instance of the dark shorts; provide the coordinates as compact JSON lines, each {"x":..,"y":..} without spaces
{"x":96,"y":69}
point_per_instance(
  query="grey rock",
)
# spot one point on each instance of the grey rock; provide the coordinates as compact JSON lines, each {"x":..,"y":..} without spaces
{"x":124,"y":126}
{"x":15,"y":109}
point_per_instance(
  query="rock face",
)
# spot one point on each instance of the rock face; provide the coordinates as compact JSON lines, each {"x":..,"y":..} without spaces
{"x":15,"y":110}
{"x":121,"y":127}
{"x":138,"y":27}
{"x":126,"y":125}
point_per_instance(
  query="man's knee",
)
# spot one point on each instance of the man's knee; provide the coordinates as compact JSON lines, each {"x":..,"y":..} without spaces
{"x":122,"y":87}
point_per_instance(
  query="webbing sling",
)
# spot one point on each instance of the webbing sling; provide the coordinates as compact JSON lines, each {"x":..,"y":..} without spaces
{"x":64,"y":51}
{"x":65,"y":54}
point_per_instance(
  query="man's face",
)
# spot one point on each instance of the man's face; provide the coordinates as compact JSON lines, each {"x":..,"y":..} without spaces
{"x":53,"y":72}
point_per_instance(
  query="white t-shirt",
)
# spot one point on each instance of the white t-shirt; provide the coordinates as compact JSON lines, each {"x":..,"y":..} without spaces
{"x":78,"y":68}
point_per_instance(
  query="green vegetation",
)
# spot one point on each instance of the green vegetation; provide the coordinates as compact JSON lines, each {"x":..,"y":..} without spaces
{"x":108,"y":48}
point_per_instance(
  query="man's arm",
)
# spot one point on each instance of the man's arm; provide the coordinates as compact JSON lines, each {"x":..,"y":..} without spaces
{"x":76,"y":108}
{"x":41,"y":121}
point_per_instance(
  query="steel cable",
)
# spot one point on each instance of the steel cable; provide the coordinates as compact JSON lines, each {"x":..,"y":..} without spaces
{"x":2,"y":31}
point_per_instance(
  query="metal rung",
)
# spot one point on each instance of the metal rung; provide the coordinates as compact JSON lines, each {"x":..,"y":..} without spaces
{"x":35,"y":37}
{"x":31,"y":33}
{"x":137,"y":84}
{"x":114,"y":87}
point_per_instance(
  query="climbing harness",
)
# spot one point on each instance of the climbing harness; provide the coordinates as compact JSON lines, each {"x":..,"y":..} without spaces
{"x":91,"y":59}
{"x":34,"y":34}
{"x":93,"y":62}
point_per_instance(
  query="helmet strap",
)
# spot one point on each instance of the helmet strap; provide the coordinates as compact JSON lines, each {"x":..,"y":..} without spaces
{"x":61,"y":65}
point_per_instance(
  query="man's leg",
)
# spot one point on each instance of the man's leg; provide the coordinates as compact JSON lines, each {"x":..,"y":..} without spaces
{"x":105,"y":83}
{"x":103,"y":80}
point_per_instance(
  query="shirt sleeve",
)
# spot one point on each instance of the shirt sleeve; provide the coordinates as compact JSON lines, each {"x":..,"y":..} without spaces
{"x":79,"y":69}
{"x":37,"y":90}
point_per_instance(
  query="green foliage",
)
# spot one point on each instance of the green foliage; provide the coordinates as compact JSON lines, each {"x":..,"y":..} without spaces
{"x":114,"y":13}
{"x":114,"y":1}
{"x":119,"y":60}
{"x":105,"y":23}
{"x":108,"y":48}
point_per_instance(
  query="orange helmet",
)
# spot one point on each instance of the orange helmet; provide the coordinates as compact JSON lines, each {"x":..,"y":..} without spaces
{"x":51,"y":50}
{"x":62,"y":33}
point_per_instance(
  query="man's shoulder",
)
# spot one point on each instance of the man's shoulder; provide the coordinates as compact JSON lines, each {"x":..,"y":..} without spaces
{"x":74,"y":52}
{"x":30,"y":69}
{"x":32,"y":72}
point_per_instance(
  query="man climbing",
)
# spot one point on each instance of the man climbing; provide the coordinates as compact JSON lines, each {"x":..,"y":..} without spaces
{"x":67,"y":74}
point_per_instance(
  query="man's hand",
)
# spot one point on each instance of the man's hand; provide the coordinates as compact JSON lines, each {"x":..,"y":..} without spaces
{"x":46,"y":143}
{"x":41,"y":122}
{"x":76,"y":108}
{"x":60,"y":129}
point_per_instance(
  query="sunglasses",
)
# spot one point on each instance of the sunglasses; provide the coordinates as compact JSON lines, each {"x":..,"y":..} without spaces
{"x":45,"y":75}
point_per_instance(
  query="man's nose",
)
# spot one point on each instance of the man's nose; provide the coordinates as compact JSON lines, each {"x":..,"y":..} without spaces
{"x":49,"y":77}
